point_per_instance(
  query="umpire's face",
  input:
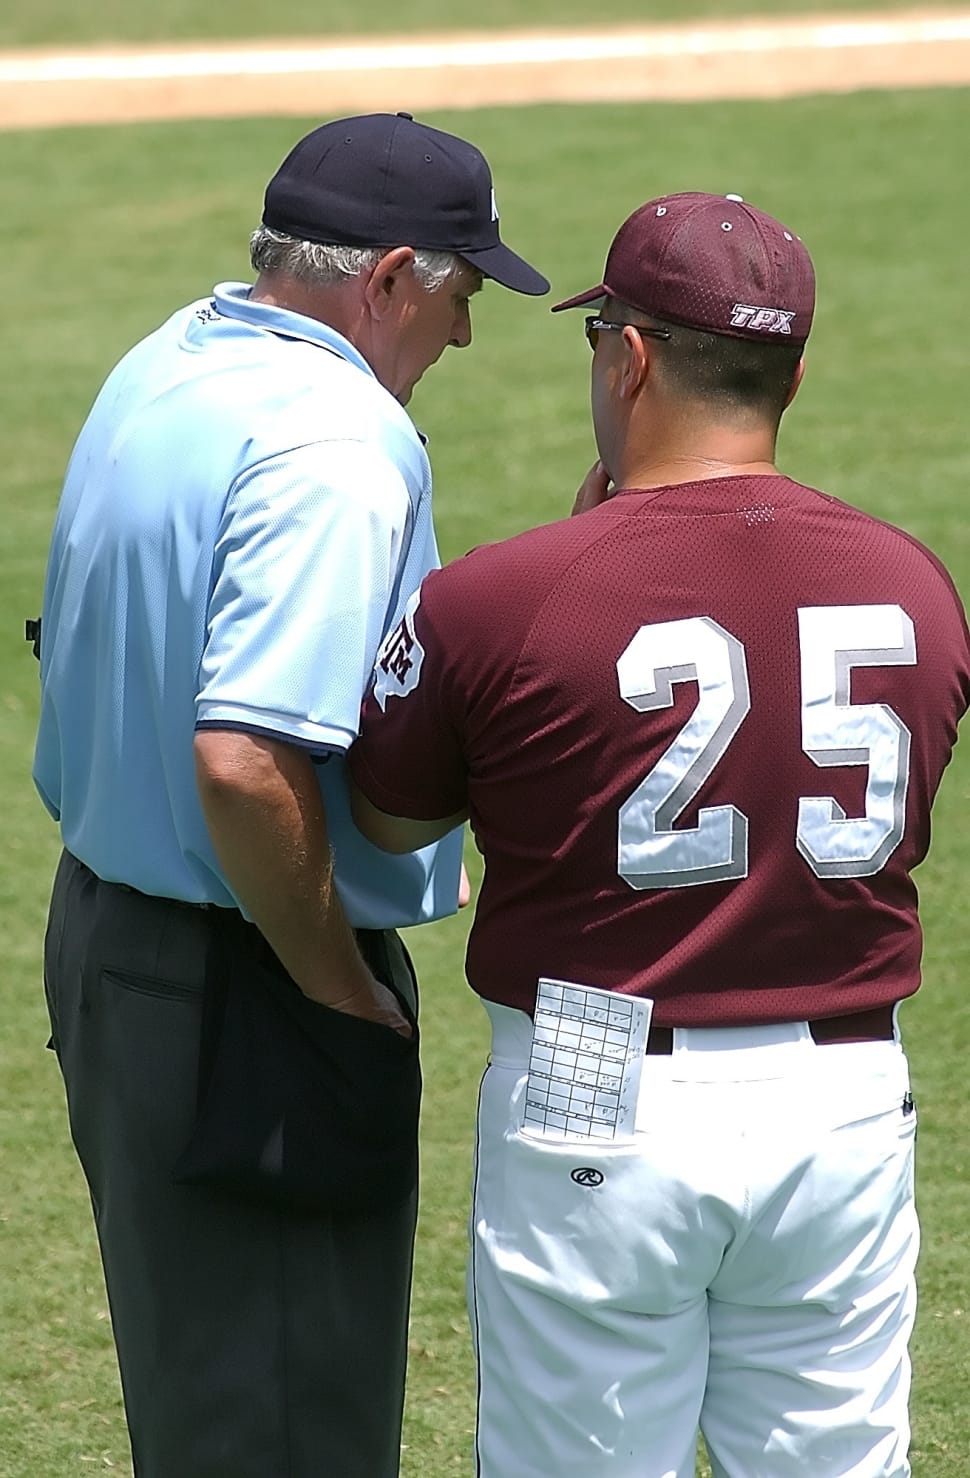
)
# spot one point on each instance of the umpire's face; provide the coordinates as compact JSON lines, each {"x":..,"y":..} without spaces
{"x":418,"y":324}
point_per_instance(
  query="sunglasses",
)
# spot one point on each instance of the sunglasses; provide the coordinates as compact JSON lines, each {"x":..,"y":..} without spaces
{"x":593,"y":326}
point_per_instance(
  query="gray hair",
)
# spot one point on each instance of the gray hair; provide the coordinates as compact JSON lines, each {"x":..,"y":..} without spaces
{"x":320,"y":265}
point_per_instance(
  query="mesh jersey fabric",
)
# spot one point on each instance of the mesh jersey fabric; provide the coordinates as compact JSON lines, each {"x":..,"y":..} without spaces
{"x":516,"y":709}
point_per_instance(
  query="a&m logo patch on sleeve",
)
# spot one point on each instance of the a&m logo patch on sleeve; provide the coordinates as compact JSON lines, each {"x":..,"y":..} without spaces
{"x":398,"y":666}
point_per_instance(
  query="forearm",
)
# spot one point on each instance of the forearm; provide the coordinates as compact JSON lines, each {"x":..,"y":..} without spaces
{"x":398,"y":833}
{"x":266,"y":820}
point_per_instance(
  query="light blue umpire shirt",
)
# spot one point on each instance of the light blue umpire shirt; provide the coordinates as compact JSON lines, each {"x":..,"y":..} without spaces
{"x":245,"y":514}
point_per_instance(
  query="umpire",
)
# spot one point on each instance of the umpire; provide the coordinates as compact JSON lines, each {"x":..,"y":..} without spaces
{"x":246,"y":512}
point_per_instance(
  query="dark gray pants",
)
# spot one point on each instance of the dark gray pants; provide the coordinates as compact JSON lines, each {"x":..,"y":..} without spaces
{"x":253,"y":1343}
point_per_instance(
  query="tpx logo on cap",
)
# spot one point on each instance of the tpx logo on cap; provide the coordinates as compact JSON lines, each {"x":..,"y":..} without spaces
{"x":764,"y":320}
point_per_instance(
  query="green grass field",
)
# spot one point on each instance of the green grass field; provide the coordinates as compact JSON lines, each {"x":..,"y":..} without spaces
{"x":106,"y":231}
{"x":64,"y":22}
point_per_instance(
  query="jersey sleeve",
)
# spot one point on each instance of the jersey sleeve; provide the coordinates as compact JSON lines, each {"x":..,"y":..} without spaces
{"x":409,"y":760}
{"x":304,"y":573}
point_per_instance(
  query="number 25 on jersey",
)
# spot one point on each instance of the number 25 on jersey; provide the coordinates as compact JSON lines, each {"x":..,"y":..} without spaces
{"x":835,"y":731}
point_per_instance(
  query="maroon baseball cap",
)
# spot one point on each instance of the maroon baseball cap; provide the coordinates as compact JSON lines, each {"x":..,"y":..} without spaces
{"x":386,"y":180}
{"x":710,"y":262}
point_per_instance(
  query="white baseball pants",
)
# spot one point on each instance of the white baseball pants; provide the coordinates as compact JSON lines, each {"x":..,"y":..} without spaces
{"x":745,"y":1267}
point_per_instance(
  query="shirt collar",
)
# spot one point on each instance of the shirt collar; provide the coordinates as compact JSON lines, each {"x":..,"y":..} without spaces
{"x":233,"y":301}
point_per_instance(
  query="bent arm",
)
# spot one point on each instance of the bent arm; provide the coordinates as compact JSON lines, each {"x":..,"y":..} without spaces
{"x":398,"y":833}
{"x":268,"y":827}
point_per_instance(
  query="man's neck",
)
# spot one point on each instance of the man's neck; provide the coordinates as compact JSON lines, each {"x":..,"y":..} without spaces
{"x":667,"y":471}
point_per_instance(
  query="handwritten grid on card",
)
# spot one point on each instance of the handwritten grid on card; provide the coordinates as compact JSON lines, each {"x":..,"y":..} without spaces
{"x":584,"y":1068}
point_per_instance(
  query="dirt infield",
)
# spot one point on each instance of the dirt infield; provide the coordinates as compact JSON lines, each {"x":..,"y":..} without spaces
{"x":757,"y":58}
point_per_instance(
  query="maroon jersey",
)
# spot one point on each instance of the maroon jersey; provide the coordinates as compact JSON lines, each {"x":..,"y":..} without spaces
{"x":699,"y":730}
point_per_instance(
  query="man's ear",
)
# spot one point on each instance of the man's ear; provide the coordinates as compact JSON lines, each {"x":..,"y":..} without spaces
{"x":796,"y":381}
{"x":636,"y":364}
{"x":384,"y":277}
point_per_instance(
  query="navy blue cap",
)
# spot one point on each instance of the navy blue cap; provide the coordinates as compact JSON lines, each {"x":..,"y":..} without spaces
{"x":385,"y":180}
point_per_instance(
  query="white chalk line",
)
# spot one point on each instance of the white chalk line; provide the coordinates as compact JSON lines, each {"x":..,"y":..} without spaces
{"x":507,"y":51}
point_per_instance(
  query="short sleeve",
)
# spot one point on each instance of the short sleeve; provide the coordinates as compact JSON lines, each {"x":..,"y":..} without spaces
{"x":409,"y":760}
{"x":305,"y":568}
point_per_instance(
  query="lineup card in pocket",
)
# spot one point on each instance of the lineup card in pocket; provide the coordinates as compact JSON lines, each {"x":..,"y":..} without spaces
{"x":585,"y":1063}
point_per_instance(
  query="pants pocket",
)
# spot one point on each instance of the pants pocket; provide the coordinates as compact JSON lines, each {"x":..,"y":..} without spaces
{"x":300,"y":1106}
